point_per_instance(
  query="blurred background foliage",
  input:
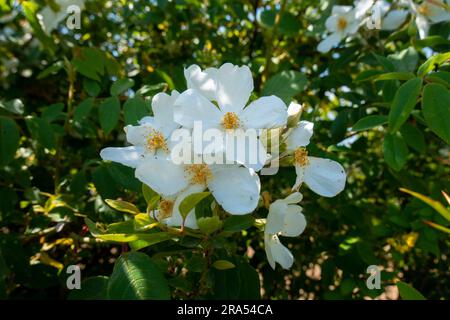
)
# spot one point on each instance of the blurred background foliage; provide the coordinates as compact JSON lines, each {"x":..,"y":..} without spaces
{"x":66,"y":94}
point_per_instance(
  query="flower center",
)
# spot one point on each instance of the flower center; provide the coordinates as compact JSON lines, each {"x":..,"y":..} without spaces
{"x":155,"y":141}
{"x":198,"y":173}
{"x":424,"y":9}
{"x":342,"y":23}
{"x":165,"y":209}
{"x":230,"y":120}
{"x":301,"y":157}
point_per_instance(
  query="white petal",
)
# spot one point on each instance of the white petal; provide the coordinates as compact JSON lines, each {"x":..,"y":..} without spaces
{"x":137,"y":135}
{"x":300,"y":177}
{"x":191,"y":106}
{"x":275,"y":218}
{"x":329,"y":42}
{"x":286,"y":219}
{"x":162,"y":106}
{"x":265,"y":113}
{"x":279,"y":253}
{"x":128,"y":156}
{"x":394,"y":19}
{"x":436,"y":11}
{"x":245,"y":149}
{"x":422,"y":26}
{"x":234,"y":86}
{"x":362,"y":7}
{"x":147,"y":120}
{"x":269,"y":250}
{"x":293,"y":198}
{"x":341,"y":9}
{"x":294,"y":109}
{"x":300,"y":135}
{"x":202,"y":81}
{"x":162,"y":175}
{"x":235,"y":188}
{"x":324,"y":176}
{"x":332,"y":22}
{"x":294,"y":222}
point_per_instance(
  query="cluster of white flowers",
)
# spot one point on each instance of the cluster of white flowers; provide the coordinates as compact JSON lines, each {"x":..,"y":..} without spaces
{"x":217,"y":98}
{"x":345,"y":21}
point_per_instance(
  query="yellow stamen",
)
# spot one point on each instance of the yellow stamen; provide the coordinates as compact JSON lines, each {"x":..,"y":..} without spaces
{"x":342,"y":23}
{"x":230,"y":121}
{"x":198,"y":173}
{"x":301,"y":157}
{"x":155,"y":141}
{"x":424,"y":9}
{"x":165,"y":209}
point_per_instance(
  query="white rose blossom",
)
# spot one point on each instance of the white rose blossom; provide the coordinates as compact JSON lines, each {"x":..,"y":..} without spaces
{"x":234,"y":187}
{"x":230,"y":87}
{"x":430,"y":12}
{"x":286,"y":219}
{"x":340,"y":24}
{"x":323,"y":176}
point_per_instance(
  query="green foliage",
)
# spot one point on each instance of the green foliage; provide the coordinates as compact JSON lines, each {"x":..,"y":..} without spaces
{"x":379,"y":101}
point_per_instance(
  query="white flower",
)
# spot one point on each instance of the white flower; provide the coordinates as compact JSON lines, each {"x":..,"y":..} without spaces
{"x":151,"y":137}
{"x":234,"y":187}
{"x":50,"y":19}
{"x":286,"y":219}
{"x":150,"y":140}
{"x":342,"y":23}
{"x":230,"y":87}
{"x":390,"y":19}
{"x":428,"y":13}
{"x":323,"y":176}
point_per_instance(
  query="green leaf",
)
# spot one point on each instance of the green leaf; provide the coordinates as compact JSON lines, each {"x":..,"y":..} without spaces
{"x":442,"y":77}
{"x":104,"y":182}
{"x":109,"y":112}
{"x":395,"y":151}
{"x":136,"y":276}
{"x":223,"y":265}
{"x":394,"y":76}
{"x":385,"y":62}
{"x":404,"y":101}
{"x":432,"y":62}
{"x":15,"y":106}
{"x":237,"y":223}
{"x":9,"y":140}
{"x":405,"y":60}
{"x":150,"y":196}
{"x":285,"y":85}
{"x":91,"y":87}
{"x":52,"y":70}
{"x":121,"y":86}
{"x":149,"y":238}
{"x":369,"y":122}
{"x":134,"y":110}
{"x":413,"y":137}
{"x":409,"y":293}
{"x":93,"y":288}
{"x":122,"y":206}
{"x":436,"y":110}
{"x":208,"y":225}
{"x":41,"y":131}
{"x":83,"y":110}
{"x":436,"y":205}
{"x":190,"y":202}
{"x":289,"y":25}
